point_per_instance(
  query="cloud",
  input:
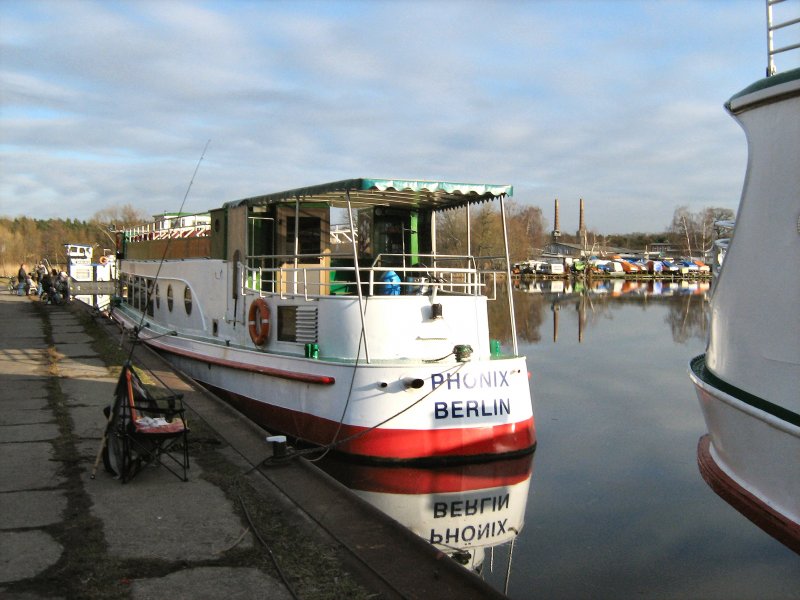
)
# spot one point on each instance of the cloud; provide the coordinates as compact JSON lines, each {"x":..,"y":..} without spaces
{"x":618,"y":103}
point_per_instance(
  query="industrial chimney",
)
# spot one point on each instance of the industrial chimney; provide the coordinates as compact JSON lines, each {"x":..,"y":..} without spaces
{"x":556,"y":227}
{"x":582,"y":227}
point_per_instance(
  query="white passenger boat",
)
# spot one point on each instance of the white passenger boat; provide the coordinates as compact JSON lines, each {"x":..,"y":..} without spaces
{"x":748,"y":380}
{"x":361,"y":338}
{"x":91,"y":281}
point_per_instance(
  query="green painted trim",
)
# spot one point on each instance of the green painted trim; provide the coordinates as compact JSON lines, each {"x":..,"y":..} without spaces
{"x":767,"y":83}
{"x":698,"y":366}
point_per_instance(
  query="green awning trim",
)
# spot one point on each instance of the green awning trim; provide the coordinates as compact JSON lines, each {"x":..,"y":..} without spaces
{"x":410,"y":193}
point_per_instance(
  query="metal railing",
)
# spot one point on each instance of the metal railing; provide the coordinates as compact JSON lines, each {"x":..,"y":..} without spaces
{"x":171,"y":227}
{"x":312,"y":276}
{"x":772,"y":26}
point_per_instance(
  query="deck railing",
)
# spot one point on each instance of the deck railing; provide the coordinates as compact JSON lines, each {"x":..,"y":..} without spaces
{"x":171,"y":227}
{"x":777,"y":23}
{"x":313,"y":276}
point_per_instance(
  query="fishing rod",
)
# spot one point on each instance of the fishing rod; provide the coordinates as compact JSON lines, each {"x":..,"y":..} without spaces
{"x":166,"y":249}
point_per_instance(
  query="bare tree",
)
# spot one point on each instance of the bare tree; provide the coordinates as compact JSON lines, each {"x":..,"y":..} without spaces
{"x":120,"y":216}
{"x":695,"y":230}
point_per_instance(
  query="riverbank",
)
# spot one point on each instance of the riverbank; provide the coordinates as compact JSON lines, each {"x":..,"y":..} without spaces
{"x":236,"y":528}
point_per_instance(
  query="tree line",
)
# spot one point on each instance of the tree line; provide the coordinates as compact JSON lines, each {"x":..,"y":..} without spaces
{"x":689,"y":233}
{"x":27,"y":240}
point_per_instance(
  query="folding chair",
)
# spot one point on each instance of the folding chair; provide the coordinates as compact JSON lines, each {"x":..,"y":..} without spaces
{"x":144,"y":429}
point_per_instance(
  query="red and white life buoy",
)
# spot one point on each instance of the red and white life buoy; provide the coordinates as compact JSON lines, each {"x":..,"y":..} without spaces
{"x":258,"y":322}
{"x":103,"y":260}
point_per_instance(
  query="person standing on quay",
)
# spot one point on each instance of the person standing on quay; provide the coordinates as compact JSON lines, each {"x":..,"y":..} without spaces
{"x":22,"y":278}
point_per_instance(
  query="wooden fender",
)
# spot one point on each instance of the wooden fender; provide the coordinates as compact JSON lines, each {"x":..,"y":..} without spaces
{"x":258,"y":322}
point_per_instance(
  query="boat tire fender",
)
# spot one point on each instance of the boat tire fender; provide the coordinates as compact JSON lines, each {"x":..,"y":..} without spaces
{"x":258,"y":322}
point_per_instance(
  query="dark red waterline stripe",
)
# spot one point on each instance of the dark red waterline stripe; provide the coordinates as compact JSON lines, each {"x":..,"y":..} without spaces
{"x":756,"y":510}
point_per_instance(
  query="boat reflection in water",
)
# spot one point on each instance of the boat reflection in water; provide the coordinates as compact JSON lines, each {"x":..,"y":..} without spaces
{"x":595,"y":299}
{"x":463,"y":510}
{"x":614,"y":287}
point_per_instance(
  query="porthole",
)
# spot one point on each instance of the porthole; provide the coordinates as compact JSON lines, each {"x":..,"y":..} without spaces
{"x":169,"y":297}
{"x":187,"y":300}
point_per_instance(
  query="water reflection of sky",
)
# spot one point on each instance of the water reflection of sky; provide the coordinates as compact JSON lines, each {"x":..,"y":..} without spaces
{"x":617,"y":507}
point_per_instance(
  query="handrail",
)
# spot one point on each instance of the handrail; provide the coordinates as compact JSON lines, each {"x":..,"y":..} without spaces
{"x":288,"y":281}
{"x":774,"y":26}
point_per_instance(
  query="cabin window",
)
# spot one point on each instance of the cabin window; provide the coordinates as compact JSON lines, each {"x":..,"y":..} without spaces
{"x":169,"y":297}
{"x":140,"y":295}
{"x":150,"y":309}
{"x":142,"y":287}
{"x":127,"y":290}
{"x":308,"y":234}
{"x":158,"y":297}
{"x":287,"y":323}
{"x":134,"y":292}
{"x":187,"y":300}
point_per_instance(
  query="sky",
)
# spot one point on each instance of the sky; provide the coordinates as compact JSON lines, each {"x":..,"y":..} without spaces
{"x":110,"y":103}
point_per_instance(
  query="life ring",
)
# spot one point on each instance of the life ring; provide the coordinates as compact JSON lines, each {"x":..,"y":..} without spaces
{"x":258,"y":321}
{"x":103,"y":260}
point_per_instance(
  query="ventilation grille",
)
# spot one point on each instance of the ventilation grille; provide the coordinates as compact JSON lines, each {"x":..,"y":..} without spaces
{"x":307,"y":325}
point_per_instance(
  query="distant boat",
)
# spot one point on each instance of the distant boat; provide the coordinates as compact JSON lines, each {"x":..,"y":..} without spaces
{"x":668,"y":266}
{"x":549,"y":268}
{"x":721,"y":243}
{"x":627,"y":267}
{"x":748,"y":380}
{"x":688,"y":267}
{"x":655,"y":266}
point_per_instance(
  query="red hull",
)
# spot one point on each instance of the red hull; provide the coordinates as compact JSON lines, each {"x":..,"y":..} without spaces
{"x":782,"y":529}
{"x":391,"y":444}
{"x":394,"y":479}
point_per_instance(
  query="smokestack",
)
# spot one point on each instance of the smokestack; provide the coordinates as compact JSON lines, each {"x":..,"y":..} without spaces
{"x":556,"y":225}
{"x":581,"y":222}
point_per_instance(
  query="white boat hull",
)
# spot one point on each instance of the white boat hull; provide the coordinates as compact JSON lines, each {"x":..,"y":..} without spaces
{"x":751,"y":458}
{"x":747,"y":381}
{"x":474,"y":409}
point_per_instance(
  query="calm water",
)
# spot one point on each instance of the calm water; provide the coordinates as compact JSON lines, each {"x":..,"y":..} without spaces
{"x":614,"y":506}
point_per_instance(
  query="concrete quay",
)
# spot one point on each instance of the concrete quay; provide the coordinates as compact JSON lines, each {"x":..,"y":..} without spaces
{"x":237,"y":529}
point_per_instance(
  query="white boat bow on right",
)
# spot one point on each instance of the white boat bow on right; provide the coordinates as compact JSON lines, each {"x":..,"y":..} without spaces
{"x":748,"y":380}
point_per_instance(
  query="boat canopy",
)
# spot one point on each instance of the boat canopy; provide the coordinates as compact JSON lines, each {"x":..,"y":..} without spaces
{"x":430,"y":195}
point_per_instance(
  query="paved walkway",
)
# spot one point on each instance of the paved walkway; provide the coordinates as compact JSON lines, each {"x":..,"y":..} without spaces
{"x":64,"y":535}
{"x":156,"y":516}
